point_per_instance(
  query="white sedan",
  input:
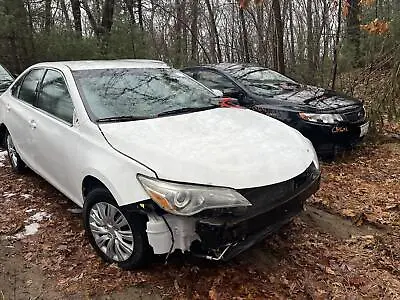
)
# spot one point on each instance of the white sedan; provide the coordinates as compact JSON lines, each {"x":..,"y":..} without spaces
{"x":155,"y":162}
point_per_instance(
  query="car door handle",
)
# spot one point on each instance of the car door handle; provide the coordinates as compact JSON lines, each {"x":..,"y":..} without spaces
{"x":33,"y":124}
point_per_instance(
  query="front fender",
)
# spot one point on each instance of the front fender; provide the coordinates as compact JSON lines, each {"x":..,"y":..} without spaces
{"x":120,"y":179}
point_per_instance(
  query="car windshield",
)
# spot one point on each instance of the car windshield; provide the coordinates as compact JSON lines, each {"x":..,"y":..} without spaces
{"x":141,"y":93}
{"x":264,"y":75}
{"x":262,"y":81}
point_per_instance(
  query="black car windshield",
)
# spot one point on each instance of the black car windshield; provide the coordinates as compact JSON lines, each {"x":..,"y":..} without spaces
{"x":263,"y":75}
{"x":129,"y":94}
{"x":262,"y":81}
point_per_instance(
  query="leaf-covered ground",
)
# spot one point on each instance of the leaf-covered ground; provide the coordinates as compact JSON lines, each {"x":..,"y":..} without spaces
{"x":354,"y":255}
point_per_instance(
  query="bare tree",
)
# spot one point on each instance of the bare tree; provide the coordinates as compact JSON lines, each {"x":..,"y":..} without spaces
{"x":76,"y":12}
{"x":47,"y":15}
{"x":194,"y":31}
{"x":280,"y":56}
{"x":214,"y":32}
{"x":244,"y":36}
{"x":336,"y":46}
{"x":353,"y":30}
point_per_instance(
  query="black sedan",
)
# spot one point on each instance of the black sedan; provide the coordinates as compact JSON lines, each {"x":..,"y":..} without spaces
{"x":332,"y":121}
{"x":5,"y":79}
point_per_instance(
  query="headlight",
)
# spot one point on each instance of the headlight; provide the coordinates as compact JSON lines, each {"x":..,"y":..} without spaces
{"x":186,"y":199}
{"x":321,"y":118}
{"x":365,"y":112}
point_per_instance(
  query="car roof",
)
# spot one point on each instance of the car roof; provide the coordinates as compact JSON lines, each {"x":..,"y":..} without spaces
{"x":228,"y":66}
{"x":231,"y":68}
{"x":105,"y":64}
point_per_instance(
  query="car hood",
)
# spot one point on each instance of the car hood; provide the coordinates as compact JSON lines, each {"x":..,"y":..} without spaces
{"x":228,"y":147}
{"x":315,"y":98}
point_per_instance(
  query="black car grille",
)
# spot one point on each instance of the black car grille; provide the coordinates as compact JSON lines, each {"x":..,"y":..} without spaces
{"x":271,"y":196}
{"x":272,"y":206}
{"x":355,"y":116}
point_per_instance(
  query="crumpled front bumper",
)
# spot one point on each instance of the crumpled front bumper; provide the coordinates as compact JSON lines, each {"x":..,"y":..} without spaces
{"x":223,"y":237}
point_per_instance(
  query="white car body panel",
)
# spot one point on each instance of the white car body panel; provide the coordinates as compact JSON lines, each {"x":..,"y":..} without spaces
{"x":228,"y":147}
{"x":85,"y":153}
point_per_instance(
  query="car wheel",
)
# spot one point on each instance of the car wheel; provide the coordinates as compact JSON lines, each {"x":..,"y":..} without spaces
{"x":118,"y":236}
{"x":15,"y":160}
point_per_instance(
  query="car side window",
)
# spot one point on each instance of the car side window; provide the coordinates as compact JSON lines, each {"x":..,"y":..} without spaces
{"x":54,"y":97}
{"x":213,"y":80}
{"x":27,"y":90}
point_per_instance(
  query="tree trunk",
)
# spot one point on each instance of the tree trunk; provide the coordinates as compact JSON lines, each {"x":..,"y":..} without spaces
{"x":76,"y":12}
{"x":195,"y":32}
{"x":214,"y":31}
{"x":64,"y":10}
{"x":292,"y":54}
{"x":260,"y":34}
{"x":336,"y":47}
{"x":103,"y":30}
{"x":353,"y":31}
{"x":91,"y":18}
{"x":245,"y":36}
{"x":107,"y":16}
{"x":178,"y":33}
{"x":140,"y":13}
{"x":276,"y":7}
{"x":310,"y":45}
{"x":47,"y":15}
{"x":131,"y":11}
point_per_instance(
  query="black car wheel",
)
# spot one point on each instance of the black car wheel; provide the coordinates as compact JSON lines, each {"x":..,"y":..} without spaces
{"x":15,"y":160}
{"x":117,"y":236}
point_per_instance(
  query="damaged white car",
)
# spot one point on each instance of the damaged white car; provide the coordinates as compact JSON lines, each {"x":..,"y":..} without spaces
{"x":154,"y":160}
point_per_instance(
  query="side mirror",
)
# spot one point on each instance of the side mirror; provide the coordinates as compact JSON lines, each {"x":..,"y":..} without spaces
{"x":217,"y":93}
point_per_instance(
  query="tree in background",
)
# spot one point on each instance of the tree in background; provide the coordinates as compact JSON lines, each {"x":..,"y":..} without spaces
{"x":297,"y":37}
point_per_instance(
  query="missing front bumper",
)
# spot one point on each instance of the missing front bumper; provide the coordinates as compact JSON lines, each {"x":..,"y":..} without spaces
{"x":222,"y":238}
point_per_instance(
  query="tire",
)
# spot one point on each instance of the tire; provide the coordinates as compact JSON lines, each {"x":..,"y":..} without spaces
{"x":16,"y":162}
{"x":118,"y":236}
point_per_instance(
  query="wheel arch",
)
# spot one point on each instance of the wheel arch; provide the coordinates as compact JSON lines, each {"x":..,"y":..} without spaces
{"x":89,"y":183}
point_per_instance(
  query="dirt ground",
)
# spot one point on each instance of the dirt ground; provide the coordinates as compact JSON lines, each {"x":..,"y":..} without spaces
{"x":345,"y":245}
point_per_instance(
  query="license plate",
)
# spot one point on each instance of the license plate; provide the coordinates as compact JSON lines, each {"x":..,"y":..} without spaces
{"x":364,"y":129}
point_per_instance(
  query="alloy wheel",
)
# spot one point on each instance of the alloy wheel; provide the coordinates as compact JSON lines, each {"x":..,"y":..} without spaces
{"x":111,"y":231}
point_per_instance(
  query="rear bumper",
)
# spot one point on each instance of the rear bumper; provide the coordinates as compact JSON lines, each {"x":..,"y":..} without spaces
{"x":235,"y":234}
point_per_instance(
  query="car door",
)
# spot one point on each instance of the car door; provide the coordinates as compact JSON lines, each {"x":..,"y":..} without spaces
{"x":19,"y":109}
{"x":55,"y":136}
